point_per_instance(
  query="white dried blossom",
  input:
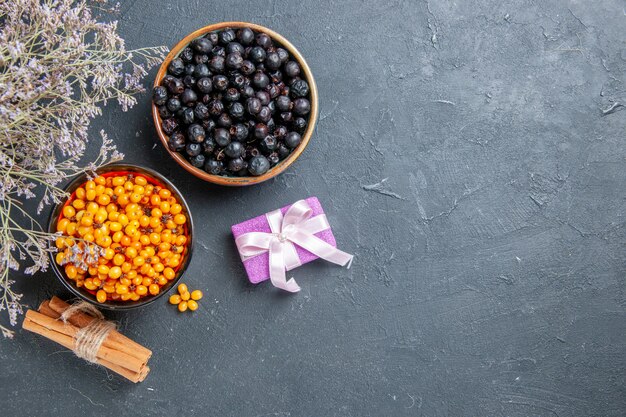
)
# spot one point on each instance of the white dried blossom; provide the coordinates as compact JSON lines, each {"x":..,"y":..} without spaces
{"x":58,"y":66}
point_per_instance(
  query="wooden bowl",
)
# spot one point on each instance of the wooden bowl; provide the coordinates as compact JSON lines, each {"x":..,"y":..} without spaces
{"x":282,"y":165}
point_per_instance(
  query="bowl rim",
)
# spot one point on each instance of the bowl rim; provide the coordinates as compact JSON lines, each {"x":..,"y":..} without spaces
{"x":127,"y":305}
{"x":282,"y":165}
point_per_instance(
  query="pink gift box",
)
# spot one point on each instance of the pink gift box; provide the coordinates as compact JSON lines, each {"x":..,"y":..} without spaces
{"x":257,"y":267}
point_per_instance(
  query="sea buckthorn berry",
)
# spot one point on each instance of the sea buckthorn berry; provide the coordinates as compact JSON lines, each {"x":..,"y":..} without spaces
{"x":125,"y":281}
{"x":90,"y":194}
{"x":118,"y":259}
{"x":100,"y":180}
{"x":161,"y":280}
{"x":101,"y":296}
{"x":89,"y":284}
{"x":154,"y":289}
{"x":155,"y":200}
{"x":119,"y":190}
{"x":139,"y":180}
{"x":192,"y":305}
{"x":90,"y":185}
{"x":115,"y":272}
{"x":139,"y":260}
{"x":78,"y":204}
{"x":71,"y":271}
{"x":141,"y":290}
{"x":71,"y":229}
{"x":126,"y":267}
{"x":123,"y":219}
{"x":128,"y":186}
{"x":180,"y":219}
{"x":170,"y":274}
{"x":182,"y":288}
{"x":62,"y":225}
{"x":69,"y":211}
{"x":164,"y":193}
{"x":127,"y":296}
{"x":80,"y":193}
{"x":108,"y":253}
{"x":125,"y":241}
{"x":104,"y":199}
{"x":175,"y":299}
{"x":182,"y":306}
{"x":164,"y":206}
{"x":59,"y":257}
{"x":118,"y":181}
{"x":176,"y":208}
{"x":121,"y":289}
{"x":103,"y":269}
{"x":185,"y":295}
{"x":196,"y":295}
{"x":131,"y":252}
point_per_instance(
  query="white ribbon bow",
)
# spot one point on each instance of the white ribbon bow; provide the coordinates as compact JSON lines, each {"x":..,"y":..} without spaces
{"x":296,"y":227}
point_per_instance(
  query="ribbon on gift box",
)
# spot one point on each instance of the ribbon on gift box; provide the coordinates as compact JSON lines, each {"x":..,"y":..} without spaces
{"x":295,"y":227}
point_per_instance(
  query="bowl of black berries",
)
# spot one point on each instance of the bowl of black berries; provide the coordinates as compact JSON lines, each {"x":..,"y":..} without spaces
{"x":235,"y":103}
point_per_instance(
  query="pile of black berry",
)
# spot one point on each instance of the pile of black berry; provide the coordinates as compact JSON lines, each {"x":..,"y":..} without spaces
{"x":234,"y":103}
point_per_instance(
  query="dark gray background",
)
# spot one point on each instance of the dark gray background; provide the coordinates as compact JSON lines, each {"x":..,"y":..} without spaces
{"x":463,"y":156}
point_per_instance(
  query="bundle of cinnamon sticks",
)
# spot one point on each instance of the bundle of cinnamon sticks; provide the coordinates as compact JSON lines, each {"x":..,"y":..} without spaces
{"x":117,"y":353}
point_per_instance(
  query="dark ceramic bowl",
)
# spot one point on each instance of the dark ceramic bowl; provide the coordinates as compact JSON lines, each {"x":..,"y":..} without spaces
{"x":153,"y":177}
{"x":282,"y":165}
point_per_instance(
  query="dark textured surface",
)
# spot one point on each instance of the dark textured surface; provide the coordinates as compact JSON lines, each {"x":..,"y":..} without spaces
{"x":463,"y":155}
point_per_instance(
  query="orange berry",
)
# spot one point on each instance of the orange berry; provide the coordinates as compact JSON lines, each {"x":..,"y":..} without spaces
{"x":115,"y":272}
{"x":104,"y":199}
{"x":155,"y":200}
{"x":192,"y":305}
{"x":101,"y":296}
{"x":180,"y":219}
{"x":176,"y":208}
{"x":71,"y":271}
{"x":141,"y":290}
{"x":175,"y":299}
{"x":182,"y":288}
{"x":69,"y":211}
{"x":170,"y":274}
{"x":182,"y":306}
{"x":196,"y":295}
{"x":62,"y":225}
{"x":121,"y":289}
{"x":154,"y":289}
{"x":185,"y":295}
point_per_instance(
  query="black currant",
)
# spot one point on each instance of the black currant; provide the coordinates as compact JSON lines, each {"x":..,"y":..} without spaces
{"x":176,"y":67}
{"x":258,"y":165}
{"x":292,"y":139}
{"x":221,"y":137}
{"x":176,"y":142}
{"x":193,"y":149}
{"x":159,"y":95}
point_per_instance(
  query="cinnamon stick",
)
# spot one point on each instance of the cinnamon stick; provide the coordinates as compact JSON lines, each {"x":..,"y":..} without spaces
{"x":115,"y":339}
{"x":68,"y":342}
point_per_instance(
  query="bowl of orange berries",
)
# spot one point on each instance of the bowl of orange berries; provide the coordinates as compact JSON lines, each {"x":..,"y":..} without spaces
{"x":125,"y":237}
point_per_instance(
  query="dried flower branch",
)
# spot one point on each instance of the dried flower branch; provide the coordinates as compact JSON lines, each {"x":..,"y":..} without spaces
{"x":58,"y":66}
